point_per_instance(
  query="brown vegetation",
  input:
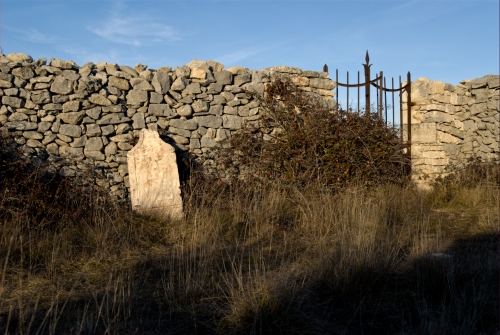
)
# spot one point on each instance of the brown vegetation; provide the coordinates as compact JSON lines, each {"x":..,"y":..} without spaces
{"x":299,"y":140}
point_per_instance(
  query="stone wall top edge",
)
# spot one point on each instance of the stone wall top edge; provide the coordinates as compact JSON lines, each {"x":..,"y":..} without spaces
{"x":21,"y":57}
{"x":461,"y":82}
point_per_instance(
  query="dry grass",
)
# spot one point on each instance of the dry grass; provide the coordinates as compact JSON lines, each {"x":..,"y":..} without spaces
{"x":256,"y":260}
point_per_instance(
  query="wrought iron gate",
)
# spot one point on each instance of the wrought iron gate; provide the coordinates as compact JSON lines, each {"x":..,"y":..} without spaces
{"x":381,"y":86}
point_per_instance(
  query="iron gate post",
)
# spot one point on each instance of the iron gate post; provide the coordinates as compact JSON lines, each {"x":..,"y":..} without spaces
{"x":367,"y":84}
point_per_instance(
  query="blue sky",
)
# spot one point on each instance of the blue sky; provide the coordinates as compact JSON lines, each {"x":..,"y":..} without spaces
{"x":447,"y":40}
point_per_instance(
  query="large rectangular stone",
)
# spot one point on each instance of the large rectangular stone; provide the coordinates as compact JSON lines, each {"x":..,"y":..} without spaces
{"x":424,"y":133}
{"x":153,"y":176}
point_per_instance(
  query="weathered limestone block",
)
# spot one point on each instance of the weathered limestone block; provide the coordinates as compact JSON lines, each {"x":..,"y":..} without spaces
{"x":325,"y":84}
{"x":44,"y":126}
{"x":61,"y":85}
{"x":11,"y":91}
{"x":208,"y":121}
{"x":147,"y":75}
{"x":13,"y":102}
{"x":178,"y":139}
{"x":114,"y":118}
{"x":71,"y":117}
{"x":216,"y":110}
{"x":18,"y":117}
{"x":94,"y":144}
{"x":119,"y":83}
{"x":451,"y":130}
{"x":207,"y":142}
{"x":32,"y":135}
{"x":71,"y":153}
{"x":71,"y":106}
{"x":198,"y":73}
{"x":24,"y":72}
{"x":41,"y":98}
{"x":5,"y":84}
{"x":179,"y":84}
{"x":136,"y":97}
{"x":242,"y":79}
{"x":200,"y":106}
{"x":193,"y":88}
{"x":19,"y":57}
{"x":61,"y":64}
{"x":123,"y":128}
{"x":478,"y":108}
{"x":232,"y":122}
{"x":179,"y":131}
{"x":184,"y":124}
{"x":94,"y":113}
{"x":155,"y":98}
{"x":122,"y":138}
{"x":141,"y":84}
{"x":153,"y":176}
{"x":237,"y":70}
{"x":443,"y":137}
{"x":160,"y":110}
{"x":424,"y":133}
{"x":127,"y":69}
{"x":34,"y":144}
{"x":185,"y":110}
{"x":139,"y":122}
{"x":95,"y":155}
{"x":70,"y":130}
{"x":93,"y":130}
{"x":79,"y":142}
{"x":161,"y":83}
{"x":100,"y":100}
{"x":111,"y":149}
{"x":52,"y":107}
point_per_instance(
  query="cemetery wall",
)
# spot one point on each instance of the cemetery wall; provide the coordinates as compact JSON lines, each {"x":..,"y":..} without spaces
{"x":90,"y":116}
{"x":80,"y":117}
{"x":451,"y":124}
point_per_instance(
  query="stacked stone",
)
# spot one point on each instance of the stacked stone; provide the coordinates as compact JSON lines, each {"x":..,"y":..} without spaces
{"x":452,"y":123}
{"x":90,"y":115}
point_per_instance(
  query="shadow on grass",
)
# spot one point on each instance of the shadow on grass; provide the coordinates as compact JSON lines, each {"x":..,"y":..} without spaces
{"x":455,"y":292}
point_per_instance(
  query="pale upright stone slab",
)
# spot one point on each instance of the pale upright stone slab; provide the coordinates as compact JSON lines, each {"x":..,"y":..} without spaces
{"x":154,"y":179}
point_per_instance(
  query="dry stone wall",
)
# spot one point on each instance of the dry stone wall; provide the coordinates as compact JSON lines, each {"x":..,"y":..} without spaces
{"x":79,"y":117}
{"x":452,"y":123}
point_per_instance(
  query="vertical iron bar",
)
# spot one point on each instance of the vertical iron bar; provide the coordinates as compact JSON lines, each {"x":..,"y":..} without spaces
{"x":385,"y":100}
{"x":347,"y":104}
{"x":367,"y":85}
{"x":400,"y":109}
{"x":380,"y":93}
{"x":408,"y":106}
{"x":393,"y":123}
{"x":376,"y":92}
{"x":358,"y":92}
{"x":337,"y":88}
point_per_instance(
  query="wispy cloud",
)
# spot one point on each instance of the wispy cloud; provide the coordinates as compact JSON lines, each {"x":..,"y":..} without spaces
{"x":135,"y":30}
{"x":32,"y":35}
{"x":82,"y":55}
{"x":236,"y":56}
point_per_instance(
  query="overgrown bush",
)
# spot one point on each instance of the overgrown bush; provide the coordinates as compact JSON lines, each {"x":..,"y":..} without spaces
{"x":474,"y":183}
{"x":299,"y":140}
{"x":474,"y":172}
{"x":34,"y":187}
